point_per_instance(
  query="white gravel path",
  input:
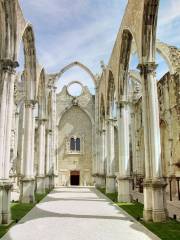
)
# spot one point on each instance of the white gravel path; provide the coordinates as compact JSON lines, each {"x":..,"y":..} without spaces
{"x":77,"y":213}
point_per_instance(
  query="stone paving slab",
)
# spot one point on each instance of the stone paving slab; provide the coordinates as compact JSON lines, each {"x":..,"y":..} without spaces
{"x":77,"y":213}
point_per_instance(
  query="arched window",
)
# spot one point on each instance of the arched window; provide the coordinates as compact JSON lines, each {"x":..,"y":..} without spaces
{"x":75,"y":144}
{"x":78,"y":144}
{"x":72,"y":144}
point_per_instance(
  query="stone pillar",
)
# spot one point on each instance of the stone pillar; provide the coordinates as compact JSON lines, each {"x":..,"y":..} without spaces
{"x":28,"y":180}
{"x":110,"y":168}
{"x":48,"y":159}
{"x":97,"y":159}
{"x":100,"y":160}
{"x":102,"y":157}
{"x":7,"y":78}
{"x":154,"y":186}
{"x":41,"y":157}
{"x":124,"y":156}
{"x":133,"y":140}
{"x":54,"y":145}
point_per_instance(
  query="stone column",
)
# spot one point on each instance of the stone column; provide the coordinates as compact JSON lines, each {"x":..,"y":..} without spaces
{"x":41,"y":157}
{"x":28,"y":180}
{"x":110,"y":168}
{"x":97,"y":159}
{"x":14,"y":147}
{"x":48,"y":159}
{"x":102,"y":160}
{"x":154,"y":186}
{"x":7,"y":78}
{"x":54,"y":162}
{"x":124,"y":156}
{"x":133,"y":140}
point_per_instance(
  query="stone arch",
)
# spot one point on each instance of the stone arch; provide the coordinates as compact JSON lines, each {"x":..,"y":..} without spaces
{"x":82,"y":66}
{"x":163,"y":50}
{"x":69,"y":107}
{"x":149,"y":27}
{"x":125,"y":52}
{"x":8,"y":30}
{"x":41,"y":97}
{"x":102,"y":108}
{"x":30,"y":63}
{"x":135,"y":76}
{"x":110,"y":93}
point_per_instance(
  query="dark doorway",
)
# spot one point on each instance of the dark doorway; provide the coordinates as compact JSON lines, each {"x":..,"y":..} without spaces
{"x":74,"y":178}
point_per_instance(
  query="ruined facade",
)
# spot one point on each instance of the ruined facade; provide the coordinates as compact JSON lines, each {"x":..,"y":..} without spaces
{"x":125,"y":138}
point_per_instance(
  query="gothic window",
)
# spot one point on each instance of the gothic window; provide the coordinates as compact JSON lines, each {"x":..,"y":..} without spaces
{"x":78,"y":144}
{"x":74,"y":145}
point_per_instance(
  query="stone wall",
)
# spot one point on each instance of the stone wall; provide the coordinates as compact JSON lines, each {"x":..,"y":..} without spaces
{"x":76,"y":118}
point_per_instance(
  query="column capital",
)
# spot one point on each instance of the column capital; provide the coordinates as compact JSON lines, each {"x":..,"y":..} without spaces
{"x":17,"y":113}
{"x":49,"y":131}
{"x":29,"y":103}
{"x":42,"y":120}
{"x":123,"y":103}
{"x":146,"y":68}
{"x":8,"y":65}
{"x":102,"y":131}
{"x":111,"y":120}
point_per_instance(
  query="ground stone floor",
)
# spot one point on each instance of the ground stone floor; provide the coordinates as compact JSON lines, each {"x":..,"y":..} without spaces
{"x":77,"y":213}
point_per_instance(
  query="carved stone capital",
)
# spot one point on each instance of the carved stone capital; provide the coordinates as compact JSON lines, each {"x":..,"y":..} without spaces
{"x":123,"y":103}
{"x":42,"y":120}
{"x":146,"y":68}
{"x":5,"y":185}
{"x":49,"y":131}
{"x":8,"y":65}
{"x":158,"y":183}
{"x":111,"y":176}
{"x":29,"y":103}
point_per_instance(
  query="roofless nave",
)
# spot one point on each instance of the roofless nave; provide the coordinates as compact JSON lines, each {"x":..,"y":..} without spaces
{"x":126,"y":137}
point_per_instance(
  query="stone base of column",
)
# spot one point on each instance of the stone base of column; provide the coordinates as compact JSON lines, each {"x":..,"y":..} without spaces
{"x":56,"y":181}
{"x":124,"y":190}
{"x":147,"y":212}
{"x":40,"y":181}
{"x":110,"y":184}
{"x":49,"y":182}
{"x":159,"y":210}
{"x":100,"y":181}
{"x":5,"y":198}
{"x":27,"y":190}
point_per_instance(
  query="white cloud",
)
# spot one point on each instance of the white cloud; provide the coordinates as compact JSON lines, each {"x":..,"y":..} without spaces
{"x":85,"y":30}
{"x":168,"y":28}
{"x":169,"y":12}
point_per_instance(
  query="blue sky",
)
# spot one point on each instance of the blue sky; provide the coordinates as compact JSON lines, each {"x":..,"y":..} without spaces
{"x":85,"y":31}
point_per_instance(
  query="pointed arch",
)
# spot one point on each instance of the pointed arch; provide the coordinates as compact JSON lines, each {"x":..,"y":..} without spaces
{"x":68,"y":108}
{"x":8,"y":29}
{"x":149,"y":27}
{"x":125,"y":52}
{"x":30,"y":63}
{"x":82,"y":66}
{"x":102,"y":107}
{"x":110,"y":92}
{"x":41,"y":97}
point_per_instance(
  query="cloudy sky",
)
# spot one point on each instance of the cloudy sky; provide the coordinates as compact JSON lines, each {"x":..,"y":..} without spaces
{"x":85,"y":31}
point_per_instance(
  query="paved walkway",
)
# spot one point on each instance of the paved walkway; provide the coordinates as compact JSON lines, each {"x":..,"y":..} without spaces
{"x":78,"y":213}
